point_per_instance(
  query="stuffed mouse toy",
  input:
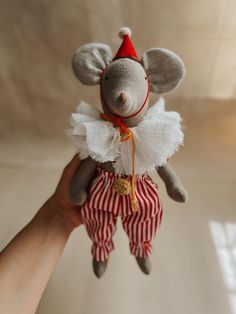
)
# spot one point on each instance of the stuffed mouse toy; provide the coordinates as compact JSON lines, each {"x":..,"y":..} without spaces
{"x":122,"y":144}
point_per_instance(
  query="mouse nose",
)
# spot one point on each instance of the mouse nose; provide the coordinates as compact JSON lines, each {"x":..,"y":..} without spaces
{"x":122,"y":98}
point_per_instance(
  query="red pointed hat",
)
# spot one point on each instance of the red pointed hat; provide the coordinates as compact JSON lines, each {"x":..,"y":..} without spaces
{"x":126,"y":49}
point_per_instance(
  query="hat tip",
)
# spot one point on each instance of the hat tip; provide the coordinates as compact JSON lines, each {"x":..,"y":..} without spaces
{"x":125,"y":31}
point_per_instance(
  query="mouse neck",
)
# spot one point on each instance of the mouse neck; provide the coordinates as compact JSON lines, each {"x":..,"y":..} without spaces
{"x":132,"y":121}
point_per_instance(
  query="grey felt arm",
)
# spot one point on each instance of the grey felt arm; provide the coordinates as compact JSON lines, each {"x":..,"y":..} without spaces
{"x":174,"y":186}
{"x":81,"y":181}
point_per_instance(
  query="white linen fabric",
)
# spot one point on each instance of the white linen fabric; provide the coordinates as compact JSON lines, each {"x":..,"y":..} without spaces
{"x":156,"y":138}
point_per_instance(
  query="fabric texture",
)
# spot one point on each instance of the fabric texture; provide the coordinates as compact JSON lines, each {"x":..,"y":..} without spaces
{"x":89,"y":61}
{"x":165,"y":70}
{"x":156,"y":138}
{"x":127,"y":76}
{"x":104,"y":206}
{"x":102,"y":195}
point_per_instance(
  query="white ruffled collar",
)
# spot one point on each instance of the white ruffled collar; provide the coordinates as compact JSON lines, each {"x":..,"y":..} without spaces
{"x":157,"y":137}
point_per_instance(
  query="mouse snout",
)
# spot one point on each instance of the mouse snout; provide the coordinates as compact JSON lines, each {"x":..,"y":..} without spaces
{"x":122,"y":98}
{"x":123,"y":103}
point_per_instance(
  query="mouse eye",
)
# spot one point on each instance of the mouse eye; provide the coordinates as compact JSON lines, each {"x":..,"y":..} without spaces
{"x":145,"y":78}
{"x":106,"y":78}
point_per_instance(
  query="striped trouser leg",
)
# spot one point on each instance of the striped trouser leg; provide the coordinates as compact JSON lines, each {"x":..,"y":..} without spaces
{"x":141,"y":233}
{"x":141,"y":226}
{"x":100,"y":225}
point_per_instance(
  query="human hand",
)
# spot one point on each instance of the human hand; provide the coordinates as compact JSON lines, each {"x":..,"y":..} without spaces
{"x":60,"y":202}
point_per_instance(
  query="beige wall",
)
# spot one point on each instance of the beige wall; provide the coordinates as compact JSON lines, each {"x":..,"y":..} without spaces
{"x":38,"y":38}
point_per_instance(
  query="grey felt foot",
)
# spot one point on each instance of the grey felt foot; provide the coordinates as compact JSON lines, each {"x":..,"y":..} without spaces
{"x":99,"y":268}
{"x":144,"y":264}
{"x":177,"y":193}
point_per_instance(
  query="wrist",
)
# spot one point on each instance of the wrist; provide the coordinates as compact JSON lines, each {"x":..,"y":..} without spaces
{"x":58,"y":215}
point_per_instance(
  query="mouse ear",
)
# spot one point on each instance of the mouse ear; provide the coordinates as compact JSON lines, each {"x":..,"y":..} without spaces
{"x":165,"y":70}
{"x":89,"y":62}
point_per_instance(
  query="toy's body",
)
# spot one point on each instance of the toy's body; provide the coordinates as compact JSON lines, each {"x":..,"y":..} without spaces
{"x":124,"y":143}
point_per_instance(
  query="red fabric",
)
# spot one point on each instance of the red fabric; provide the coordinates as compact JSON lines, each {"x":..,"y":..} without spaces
{"x":103,"y":207}
{"x":126,"y":49}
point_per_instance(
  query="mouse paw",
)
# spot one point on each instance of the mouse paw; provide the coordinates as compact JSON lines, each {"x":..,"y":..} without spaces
{"x":80,"y":197}
{"x":177,"y":193}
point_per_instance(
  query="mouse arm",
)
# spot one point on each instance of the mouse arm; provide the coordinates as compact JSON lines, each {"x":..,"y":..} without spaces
{"x":81,"y":181}
{"x":174,"y":186}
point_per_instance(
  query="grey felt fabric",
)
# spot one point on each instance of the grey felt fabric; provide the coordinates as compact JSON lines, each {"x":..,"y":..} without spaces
{"x":89,"y":61}
{"x":128,"y":77}
{"x":81,"y":181}
{"x":174,"y":186}
{"x":164,"y":68}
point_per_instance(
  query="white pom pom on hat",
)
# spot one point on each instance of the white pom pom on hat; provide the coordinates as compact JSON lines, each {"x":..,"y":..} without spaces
{"x":125,"y":31}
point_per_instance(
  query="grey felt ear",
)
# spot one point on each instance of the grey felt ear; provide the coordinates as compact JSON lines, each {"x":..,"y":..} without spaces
{"x":165,"y":70}
{"x":89,"y":61}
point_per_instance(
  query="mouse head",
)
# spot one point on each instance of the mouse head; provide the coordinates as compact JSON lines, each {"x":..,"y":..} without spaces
{"x":125,"y":81}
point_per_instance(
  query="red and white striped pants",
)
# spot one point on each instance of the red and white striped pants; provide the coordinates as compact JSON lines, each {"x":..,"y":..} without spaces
{"x":104,"y":205}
